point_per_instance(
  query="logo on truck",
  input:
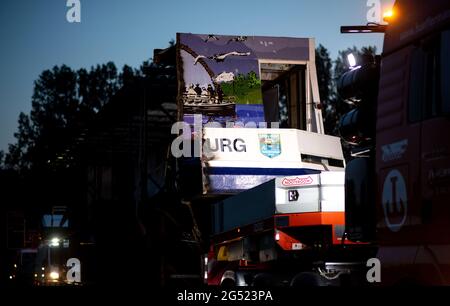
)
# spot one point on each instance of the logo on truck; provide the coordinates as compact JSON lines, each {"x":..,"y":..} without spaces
{"x":394,"y":151}
{"x":270,"y":145}
{"x":298,"y":181}
{"x":394,"y":200}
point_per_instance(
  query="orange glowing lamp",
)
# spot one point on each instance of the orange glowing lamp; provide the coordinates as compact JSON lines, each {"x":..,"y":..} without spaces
{"x":388,"y":15}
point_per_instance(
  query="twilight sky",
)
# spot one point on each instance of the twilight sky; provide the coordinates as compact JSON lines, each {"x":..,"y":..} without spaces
{"x":35,"y":35}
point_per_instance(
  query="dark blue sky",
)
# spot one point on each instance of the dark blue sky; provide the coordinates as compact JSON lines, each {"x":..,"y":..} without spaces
{"x":35,"y":35}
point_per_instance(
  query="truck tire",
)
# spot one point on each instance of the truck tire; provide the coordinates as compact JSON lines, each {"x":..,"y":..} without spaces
{"x":228,"y":283}
{"x":308,"y":279}
{"x":263,"y":280}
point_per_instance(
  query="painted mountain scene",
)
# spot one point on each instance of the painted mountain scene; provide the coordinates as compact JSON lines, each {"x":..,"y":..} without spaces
{"x":219,"y":75}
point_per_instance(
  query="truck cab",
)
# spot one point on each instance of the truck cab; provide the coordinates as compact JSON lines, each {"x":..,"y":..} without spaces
{"x":413,"y":147}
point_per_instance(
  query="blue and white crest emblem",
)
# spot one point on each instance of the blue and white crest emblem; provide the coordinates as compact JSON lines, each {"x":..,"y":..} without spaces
{"x":270,"y":144}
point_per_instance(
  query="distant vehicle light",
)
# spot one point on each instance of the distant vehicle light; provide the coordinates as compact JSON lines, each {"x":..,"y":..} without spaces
{"x":54,"y":275}
{"x":54,"y":242}
{"x":351,"y":60}
{"x":277,"y":236}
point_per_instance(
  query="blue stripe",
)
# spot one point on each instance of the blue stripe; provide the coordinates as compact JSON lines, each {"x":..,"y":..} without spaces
{"x":260,"y":171}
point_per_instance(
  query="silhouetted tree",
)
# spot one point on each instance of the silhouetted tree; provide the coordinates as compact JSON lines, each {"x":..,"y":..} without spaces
{"x":63,"y":101}
{"x":18,"y":156}
{"x":2,"y":159}
{"x":128,"y":76}
{"x":97,"y":86}
{"x":328,"y":75}
{"x":324,"y":76}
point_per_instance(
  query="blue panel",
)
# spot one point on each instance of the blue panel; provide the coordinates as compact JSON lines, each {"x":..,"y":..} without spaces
{"x":235,"y":180}
{"x":250,"y":113}
{"x":260,"y":171}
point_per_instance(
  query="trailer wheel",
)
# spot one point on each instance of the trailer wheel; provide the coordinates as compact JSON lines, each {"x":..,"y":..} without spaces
{"x":228,"y":279}
{"x":308,"y":279}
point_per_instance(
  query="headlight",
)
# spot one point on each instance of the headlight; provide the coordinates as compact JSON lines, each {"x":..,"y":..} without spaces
{"x":54,"y":275}
{"x":351,"y":60}
{"x":54,"y":242}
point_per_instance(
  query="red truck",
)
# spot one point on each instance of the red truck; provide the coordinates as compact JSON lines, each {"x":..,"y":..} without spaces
{"x":403,"y":158}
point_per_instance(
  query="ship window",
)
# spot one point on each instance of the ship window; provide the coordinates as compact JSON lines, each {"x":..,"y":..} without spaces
{"x":417,"y":90}
{"x":431,"y":80}
{"x":429,"y":94}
